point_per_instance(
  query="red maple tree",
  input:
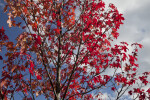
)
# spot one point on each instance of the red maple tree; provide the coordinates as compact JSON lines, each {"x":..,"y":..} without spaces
{"x":65,"y":52}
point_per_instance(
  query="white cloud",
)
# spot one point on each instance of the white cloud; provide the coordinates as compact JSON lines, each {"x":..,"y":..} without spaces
{"x":136,"y":27}
{"x":104,"y":96}
{"x":127,"y":5}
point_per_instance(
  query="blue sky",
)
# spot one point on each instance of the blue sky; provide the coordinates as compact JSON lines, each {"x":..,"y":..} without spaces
{"x":136,"y":27}
{"x":11,"y":32}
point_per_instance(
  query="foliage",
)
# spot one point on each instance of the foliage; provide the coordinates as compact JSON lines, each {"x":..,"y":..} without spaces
{"x":65,"y":52}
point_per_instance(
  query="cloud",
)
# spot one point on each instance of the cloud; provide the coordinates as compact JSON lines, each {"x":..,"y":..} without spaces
{"x":136,"y":27}
{"x":104,"y":96}
{"x":125,"y":6}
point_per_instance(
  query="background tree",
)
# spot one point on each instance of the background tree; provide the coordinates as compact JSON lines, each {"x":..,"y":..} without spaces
{"x":65,"y":52}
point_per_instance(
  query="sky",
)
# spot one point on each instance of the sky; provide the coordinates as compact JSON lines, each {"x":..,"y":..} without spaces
{"x":136,"y":27}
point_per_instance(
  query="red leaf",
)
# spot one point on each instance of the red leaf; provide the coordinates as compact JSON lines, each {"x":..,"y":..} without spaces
{"x":148,"y":91}
{"x":57,"y":31}
{"x":1,"y":58}
{"x":39,"y":40}
{"x":95,"y":80}
{"x":2,"y":30}
{"x":53,"y":15}
{"x":124,"y":48}
{"x":58,"y":23}
{"x":134,"y":69}
{"x":25,"y":90}
{"x":25,"y":10}
{"x":140,"y":46}
{"x":23,"y":27}
{"x":31,"y":69}
{"x":113,"y":88}
{"x":39,"y":77}
{"x":2,"y":83}
{"x":31,"y":64}
{"x":130,"y":92}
